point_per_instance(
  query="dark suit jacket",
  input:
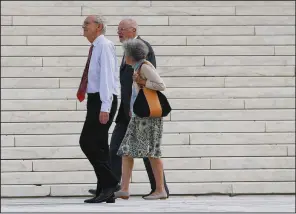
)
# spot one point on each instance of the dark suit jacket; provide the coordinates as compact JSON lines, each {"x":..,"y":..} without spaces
{"x":126,"y":81}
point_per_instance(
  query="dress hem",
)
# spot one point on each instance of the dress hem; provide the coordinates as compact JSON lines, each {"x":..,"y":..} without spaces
{"x":144,"y":156}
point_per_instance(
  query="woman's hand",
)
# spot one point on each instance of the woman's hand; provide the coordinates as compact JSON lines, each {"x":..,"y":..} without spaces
{"x":137,"y":78}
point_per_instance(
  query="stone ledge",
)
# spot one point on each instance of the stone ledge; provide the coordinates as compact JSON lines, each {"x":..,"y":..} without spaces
{"x":24,"y":191}
{"x":136,"y":189}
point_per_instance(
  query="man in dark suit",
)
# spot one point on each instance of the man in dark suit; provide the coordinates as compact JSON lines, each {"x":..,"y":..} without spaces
{"x":127,"y":29}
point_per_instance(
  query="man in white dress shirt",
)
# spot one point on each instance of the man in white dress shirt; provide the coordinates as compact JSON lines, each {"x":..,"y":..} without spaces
{"x":100,"y":80}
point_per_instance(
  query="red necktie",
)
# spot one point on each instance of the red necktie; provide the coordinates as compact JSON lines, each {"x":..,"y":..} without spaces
{"x":83,"y":83}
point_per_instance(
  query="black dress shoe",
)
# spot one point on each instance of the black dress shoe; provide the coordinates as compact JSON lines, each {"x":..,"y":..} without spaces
{"x":110,"y":200}
{"x":94,"y":192}
{"x":95,"y":200}
{"x":105,"y":195}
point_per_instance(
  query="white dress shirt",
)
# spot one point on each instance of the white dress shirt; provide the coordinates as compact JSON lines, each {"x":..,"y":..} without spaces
{"x":103,"y":74}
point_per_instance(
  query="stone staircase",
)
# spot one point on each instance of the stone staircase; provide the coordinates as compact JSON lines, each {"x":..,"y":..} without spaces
{"x":230,"y":72}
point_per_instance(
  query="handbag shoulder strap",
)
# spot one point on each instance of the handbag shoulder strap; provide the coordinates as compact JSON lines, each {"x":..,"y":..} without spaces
{"x":139,"y":70}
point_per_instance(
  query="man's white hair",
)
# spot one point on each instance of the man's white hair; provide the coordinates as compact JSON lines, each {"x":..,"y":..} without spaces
{"x":102,"y":21}
{"x":131,"y":22}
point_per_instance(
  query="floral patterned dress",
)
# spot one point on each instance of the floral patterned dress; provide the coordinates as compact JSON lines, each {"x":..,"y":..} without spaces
{"x":142,"y":138}
{"x":144,"y":135}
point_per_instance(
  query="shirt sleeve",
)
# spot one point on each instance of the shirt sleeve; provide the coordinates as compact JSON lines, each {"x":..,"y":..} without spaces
{"x":106,"y":76}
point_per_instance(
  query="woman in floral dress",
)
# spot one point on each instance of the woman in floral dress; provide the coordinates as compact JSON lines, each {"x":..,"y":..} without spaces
{"x":144,"y":135}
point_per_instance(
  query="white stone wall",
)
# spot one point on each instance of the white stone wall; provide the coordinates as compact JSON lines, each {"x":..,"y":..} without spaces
{"x":230,"y":72}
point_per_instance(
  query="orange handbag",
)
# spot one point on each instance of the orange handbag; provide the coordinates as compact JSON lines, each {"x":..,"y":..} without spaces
{"x":151,"y":103}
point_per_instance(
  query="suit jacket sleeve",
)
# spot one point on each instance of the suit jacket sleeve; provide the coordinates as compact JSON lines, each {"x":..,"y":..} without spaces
{"x":151,"y":56}
{"x":128,"y":90}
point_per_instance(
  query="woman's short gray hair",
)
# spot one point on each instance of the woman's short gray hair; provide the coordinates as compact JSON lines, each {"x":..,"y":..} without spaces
{"x":136,"y":49}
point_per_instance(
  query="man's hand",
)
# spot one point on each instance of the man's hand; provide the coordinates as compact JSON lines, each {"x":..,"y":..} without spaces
{"x":104,"y":117}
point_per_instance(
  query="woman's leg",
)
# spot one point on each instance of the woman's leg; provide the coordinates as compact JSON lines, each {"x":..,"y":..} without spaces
{"x":127,"y":167}
{"x":157,"y":167}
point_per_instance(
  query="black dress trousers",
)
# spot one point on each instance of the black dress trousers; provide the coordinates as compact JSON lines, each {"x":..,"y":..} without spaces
{"x":94,"y":141}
